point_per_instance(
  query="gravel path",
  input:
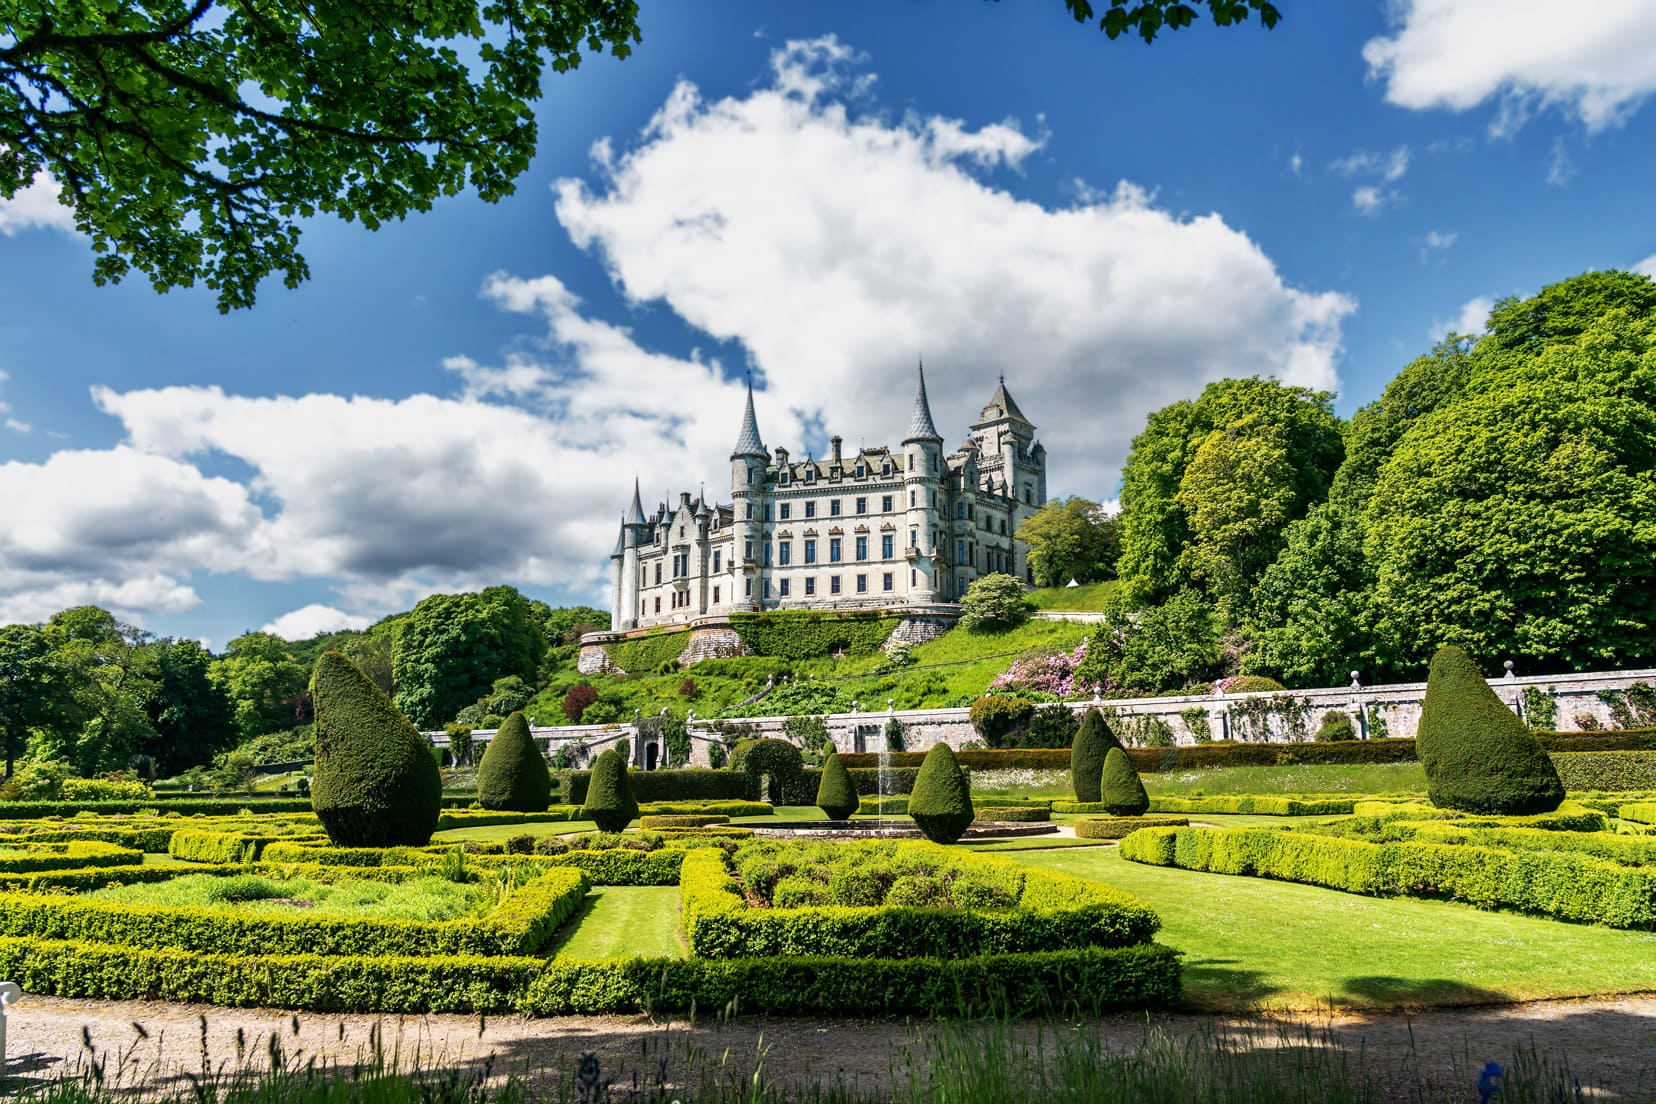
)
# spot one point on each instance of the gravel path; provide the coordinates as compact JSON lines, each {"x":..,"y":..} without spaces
{"x":1610,"y":1043}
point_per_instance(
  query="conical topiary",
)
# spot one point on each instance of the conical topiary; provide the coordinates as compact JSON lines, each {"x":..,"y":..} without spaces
{"x":513,"y":774}
{"x":1093,"y":742}
{"x":1119,"y":787}
{"x":375,"y":783}
{"x":610,"y":802}
{"x":1478,"y":756}
{"x":835,"y":794}
{"x":941,"y":803}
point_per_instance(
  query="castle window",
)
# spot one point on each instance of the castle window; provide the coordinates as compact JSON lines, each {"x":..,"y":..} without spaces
{"x":1003,"y":527}
{"x":960,"y":511}
{"x":914,"y":538}
{"x":885,"y":468}
{"x":861,"y":471}
{"x":833,"y":507}
{"x":681,"y":532}
{"x":715,"y":596}
{"x":885,"y":504}
{"x":1027,"y":500}
{"x":747,"y":588}
{"x":787,"y":511}
{"x":886,"y":583}
{"x":862,"y":548}
{"x":971,"y":514}
{"x":810,"y":509}
{"x":717,"y":555}
{"x":784,"y":552}
{"x":658,"y":573}
{"x":767,"y":588}
{"x":913,"y":578}
{"x":862,"y":505}
{"x":782,"y":588}
{"x":658,"y":604}
{"x":886,"y":546}
{"x":747,"y":551}
{"x":911,"y":503}
{"x":810,"y":475}
{"x":833,"y":584}
{"x":810,"y":585}
{"x":833,"y":550}
{"x":747,"y":510}
{"x":750,"y":477}
{"x":810,"y":551}
{"x":767,"y":554}
{"x":960,"y":551}
{"x":862,"y":584}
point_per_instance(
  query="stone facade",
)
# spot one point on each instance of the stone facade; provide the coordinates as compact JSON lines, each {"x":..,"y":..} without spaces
{"x":713,"y":643}
{"x":886,"y":527}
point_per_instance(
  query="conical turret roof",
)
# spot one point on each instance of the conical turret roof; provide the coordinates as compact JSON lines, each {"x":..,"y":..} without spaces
{"x":635,"y":512}
{"x":920,"y":421}
{"x":620,"y":539}
{"x":748,"y":442}
{"x":1001,"y":405}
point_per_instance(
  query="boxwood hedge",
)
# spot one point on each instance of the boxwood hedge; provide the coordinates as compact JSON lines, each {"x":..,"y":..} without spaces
{"x":27,"y":857}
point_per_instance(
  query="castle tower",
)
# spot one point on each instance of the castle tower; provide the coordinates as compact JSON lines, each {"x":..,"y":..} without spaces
{"x":633,"y":527}
{"x":747,"y":489}
{"x":923,"y":486}
{"x":619,"y":558}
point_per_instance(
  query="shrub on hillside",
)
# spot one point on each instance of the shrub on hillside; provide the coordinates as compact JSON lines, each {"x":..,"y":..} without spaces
{"x":376,"y":784}
{"x":836,"y":796}
{"x":994,"y":603}
{"x":513,"y":772}
{"x":941,"y":803}
{"x":1336,"y":725}
{"x":1478,"y":756}
{"x":1052,"y":726}
{"x":1119,"y":787}
{"x":1251,"y":684}
{"x":609,"y":798}
{"x":798,"y":635}
{"x":1093,"y":742}
{"x":581,"y":696}
{"x":1002,"y":721}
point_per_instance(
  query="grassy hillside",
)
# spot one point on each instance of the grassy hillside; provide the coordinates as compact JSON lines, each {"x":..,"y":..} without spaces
{"x":1090,"y":597}
{"x":951,"y":670}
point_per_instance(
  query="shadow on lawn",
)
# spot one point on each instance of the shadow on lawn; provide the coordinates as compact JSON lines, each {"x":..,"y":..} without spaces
{"x":1382,"y":991}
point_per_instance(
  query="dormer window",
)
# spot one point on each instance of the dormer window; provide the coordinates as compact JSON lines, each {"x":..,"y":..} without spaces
{"x":810,"y":475}
{"x":885,"y":468}
{"x":861,"y":471}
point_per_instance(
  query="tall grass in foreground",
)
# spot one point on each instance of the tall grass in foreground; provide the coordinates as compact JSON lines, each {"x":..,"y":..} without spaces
{"x":999,"y":1062}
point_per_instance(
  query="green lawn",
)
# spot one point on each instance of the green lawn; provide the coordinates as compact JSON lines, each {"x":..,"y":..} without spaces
{"x":1251,"y":942}
{"x":616,"y":921}
{"x":1089,"y":597}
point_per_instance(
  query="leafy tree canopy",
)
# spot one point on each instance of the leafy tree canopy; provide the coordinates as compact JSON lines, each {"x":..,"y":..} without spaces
{"x":266,"y":686}
{"x":454,"y":646}
{"x":1147,"y":18}
{"x":1070,"y":538}
{"x":994,"y":602}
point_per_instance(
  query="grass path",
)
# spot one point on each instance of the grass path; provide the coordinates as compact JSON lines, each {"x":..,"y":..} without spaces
{"x":1252,"y":942}
{"x":624,"y":920}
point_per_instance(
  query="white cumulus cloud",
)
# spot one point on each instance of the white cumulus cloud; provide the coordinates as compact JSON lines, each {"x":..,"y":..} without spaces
{"x":1647,"y":267}
{"x":36,"y":207}
{"x":1595,"y":60}
{"x":308,"y":621}
{"x":1473,"y":319}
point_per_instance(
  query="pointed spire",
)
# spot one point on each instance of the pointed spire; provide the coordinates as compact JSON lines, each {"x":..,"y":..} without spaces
{"x":920,"y":422}
{"x":748,"y":442}
{"x":635,"y":512}
{"x":1001,"y":405}
{"x":620,"y":539}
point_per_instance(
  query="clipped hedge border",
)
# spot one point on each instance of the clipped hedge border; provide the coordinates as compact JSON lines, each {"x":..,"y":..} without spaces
{"x":310,"y":982}
{"x":1111,"y":828}
{"x":1606,"y":770}
{"x":690,"y":784}
{"x":1563,"y":886}
{"x":520,"y":925}
{"x":712,"y":831}
{"x":680,"y":820}
{"x":1145,"y":976}
{"x":149,"y":840}
{"x":889,"y":805}
{"x":1014,"y":814}
{"x":1568,"y":817}
{"x":1257,"y":804}
{"x":258,"y":805}
{"x":1642,"y":812}
{"x":486,"y":818}
{"x":73,"y":855}
{"x":84,"y":880}
{"x":1055,"y":912}
{"x":204,"y":846}
{"x":1096,"y":979}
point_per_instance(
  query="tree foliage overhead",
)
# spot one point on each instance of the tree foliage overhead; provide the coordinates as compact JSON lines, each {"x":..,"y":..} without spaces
{"x":190,"y":135}
{"x":265,"y":684}
{"x":1147,"y":18}
{"x":453,"y":647}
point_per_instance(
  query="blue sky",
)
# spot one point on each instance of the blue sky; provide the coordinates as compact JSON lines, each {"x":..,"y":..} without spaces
{"x":819,"y":194}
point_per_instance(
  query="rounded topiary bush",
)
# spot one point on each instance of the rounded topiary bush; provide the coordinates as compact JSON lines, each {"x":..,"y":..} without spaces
{"x":835,"y":795}
{"x":513,"y":774}
{"x":1119,"y":786}
{"x":610,"y":803}
{"x":375,"y":783}
{"x":1093,"y":741}
{"x":1336,"y":725}
{"x":941,"y":803}
{"x":1478,"y":756}
{"x":779,"y":761}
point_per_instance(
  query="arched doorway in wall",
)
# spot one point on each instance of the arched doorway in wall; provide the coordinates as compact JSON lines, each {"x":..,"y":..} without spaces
{"x":652,"y":755}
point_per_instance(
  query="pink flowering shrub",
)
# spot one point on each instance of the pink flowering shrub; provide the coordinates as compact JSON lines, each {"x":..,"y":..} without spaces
{"x":1049,"y":673}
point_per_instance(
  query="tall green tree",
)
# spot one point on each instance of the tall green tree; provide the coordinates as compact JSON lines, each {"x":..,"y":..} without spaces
{"x":1276,"y":451}
{"x":454,"y":646}
{"x":1070,"y":538}
{"x":263,"y":682}
{"x":31,"y":689}
{"x":191,"y":715}
{"x":110,"y":673}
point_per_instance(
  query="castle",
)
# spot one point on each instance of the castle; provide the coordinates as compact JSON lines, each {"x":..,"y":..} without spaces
{"x":880,"y":530}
